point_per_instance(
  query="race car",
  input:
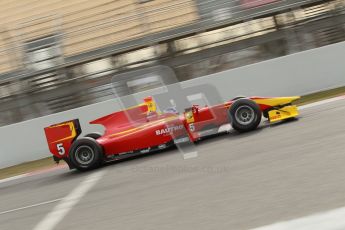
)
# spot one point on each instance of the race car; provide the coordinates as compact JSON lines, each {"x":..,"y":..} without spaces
{"x":143,"y":128}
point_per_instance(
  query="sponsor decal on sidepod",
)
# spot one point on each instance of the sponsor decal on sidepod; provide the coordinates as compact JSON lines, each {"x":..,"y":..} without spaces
{"x":168,"y":130}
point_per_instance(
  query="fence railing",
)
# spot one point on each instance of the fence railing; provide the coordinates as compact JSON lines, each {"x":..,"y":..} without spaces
{"x":84,"y":26}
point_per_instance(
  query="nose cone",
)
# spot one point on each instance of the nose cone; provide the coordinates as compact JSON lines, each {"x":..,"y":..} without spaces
{"x":285,"y":100}
{"x":291,"y":99}
{"x":275,"y":101}
{"x":295,"y":98}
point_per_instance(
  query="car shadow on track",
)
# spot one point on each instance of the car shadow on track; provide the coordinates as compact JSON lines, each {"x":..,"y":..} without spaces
{"x":231,"y":135}
{"x":234,"y":135}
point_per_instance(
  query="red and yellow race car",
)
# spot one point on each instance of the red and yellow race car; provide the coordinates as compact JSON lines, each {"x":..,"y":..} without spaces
{"x":142,"y":129}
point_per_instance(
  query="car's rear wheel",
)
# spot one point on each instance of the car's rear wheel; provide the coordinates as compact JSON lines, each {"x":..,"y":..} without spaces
{"x":94,"y":135}
{"x":245,"y":115}
{"x":86,"y":154}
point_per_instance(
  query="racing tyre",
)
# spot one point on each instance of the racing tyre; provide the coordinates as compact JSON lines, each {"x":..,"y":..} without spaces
{"x":94,"y":135}
{"x":86,"y":154}
{"x":245,"y":115}
{"x":238,"y":97}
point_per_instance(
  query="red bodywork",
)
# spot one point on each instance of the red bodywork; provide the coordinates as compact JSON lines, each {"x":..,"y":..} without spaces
{"x":136,"y":129}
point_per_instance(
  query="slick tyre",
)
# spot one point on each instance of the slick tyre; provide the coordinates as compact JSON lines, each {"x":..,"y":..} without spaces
{"x":94,"y":135}
{"x":86,"y":154}
{"x":238,"y":97}
{"x":245,"y":115}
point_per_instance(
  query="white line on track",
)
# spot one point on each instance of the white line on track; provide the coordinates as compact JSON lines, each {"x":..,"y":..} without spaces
{"x":30,"y":206}
{"x":13,"y":178}
{"x":67,"y":203}
{"x":330,"y":220}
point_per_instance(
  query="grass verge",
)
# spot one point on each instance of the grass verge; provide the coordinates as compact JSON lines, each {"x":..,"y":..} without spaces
{"x":49,"y":163}
{"x":327,"y":94}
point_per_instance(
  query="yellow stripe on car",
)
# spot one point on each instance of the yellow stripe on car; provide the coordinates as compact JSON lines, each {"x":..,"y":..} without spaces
{"x":153,"y":123}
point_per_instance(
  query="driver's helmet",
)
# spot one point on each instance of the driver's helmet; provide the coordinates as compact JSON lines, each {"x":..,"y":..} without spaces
{"x":170,"y":110}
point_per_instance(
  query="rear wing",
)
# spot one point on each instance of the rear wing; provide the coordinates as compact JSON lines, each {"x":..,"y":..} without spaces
{"x":61,"y":136}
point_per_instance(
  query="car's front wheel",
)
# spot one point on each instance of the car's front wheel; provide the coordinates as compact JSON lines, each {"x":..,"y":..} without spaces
{"x":86,"y":154}
{"x":245,"y":115}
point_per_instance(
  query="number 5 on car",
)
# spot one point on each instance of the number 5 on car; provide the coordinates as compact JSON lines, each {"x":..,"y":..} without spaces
{"x":61,"y":136}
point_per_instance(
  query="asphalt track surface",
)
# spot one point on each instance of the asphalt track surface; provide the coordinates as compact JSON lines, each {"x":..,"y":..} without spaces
{"x":238,"y":181}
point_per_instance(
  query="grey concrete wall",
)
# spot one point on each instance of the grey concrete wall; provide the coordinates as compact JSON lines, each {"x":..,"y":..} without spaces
{"x":296,"y":74}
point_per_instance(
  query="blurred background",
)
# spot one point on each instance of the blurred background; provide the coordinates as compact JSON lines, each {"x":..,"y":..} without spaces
{"x":58,"y":55}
